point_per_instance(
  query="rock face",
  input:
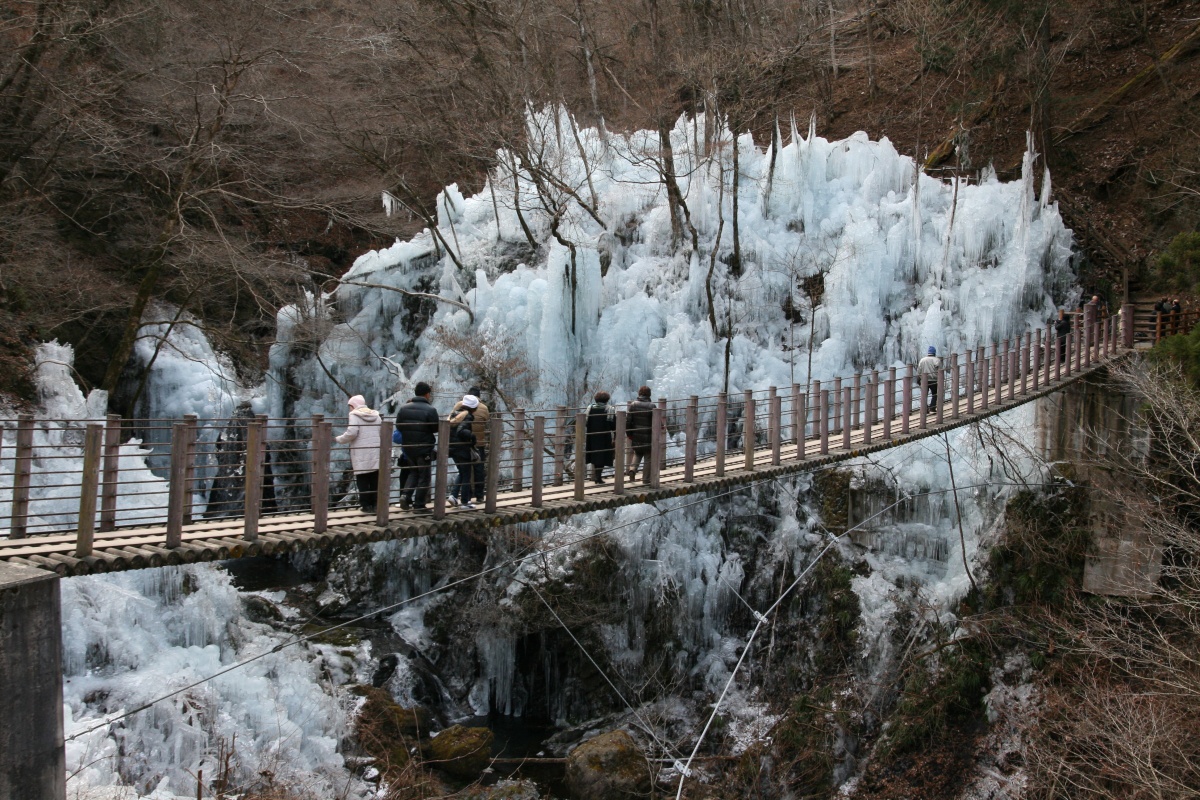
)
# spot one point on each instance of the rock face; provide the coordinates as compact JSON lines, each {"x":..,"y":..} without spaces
{"x":608,"y":767}
{"x":462,"y":752}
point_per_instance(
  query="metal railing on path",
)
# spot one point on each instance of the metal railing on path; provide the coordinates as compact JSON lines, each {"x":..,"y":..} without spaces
{"x":77,"y":500}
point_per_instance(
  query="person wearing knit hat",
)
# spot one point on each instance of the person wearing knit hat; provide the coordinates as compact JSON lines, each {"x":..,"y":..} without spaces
{"x":362,"y":434}
{"x":931,"y":366}
{"x":479,"y":425}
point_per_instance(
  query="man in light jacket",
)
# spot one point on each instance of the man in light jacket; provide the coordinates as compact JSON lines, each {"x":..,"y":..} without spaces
{"x":931,"y":365}
{"x":362,"y":434}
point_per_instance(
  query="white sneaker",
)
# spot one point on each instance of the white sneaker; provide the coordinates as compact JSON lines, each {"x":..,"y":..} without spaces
{"x":469,"y":506}
{"x":451,"y":501}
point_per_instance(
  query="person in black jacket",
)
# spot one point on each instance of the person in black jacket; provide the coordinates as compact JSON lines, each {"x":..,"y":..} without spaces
{"x":639,"y":429}
{"x":417,"y":422}
{"x":463,"y":443}
{"x":1062,"y":329}
{"x":601,"y":422}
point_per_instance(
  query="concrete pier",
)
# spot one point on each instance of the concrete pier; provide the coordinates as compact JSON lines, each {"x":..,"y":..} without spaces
{"x":32,"y":763}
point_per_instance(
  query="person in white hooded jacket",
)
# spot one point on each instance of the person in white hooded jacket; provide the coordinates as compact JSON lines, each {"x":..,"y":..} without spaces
{"x":362,"y":435}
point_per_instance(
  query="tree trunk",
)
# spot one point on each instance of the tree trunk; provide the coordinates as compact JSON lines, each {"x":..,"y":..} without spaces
{"x":674,"y":196}
{"x":736,"y":265}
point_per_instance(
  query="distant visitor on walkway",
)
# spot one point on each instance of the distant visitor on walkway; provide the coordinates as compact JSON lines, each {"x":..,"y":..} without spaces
{"x":931,"y":366}
{"x":601,"y":422}
{"x":639,"y":430}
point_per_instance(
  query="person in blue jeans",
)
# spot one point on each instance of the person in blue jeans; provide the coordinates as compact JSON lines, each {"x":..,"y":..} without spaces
{"x":462,"y":450}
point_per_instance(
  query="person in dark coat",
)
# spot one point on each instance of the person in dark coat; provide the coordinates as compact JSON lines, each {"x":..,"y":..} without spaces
{"x":639,"y":430}
{"x":601,"y":422}
{"x":463,"y":444}
{"x":1176,"y":315}
{"x":1062,"y":329}
{"x":417,"y":422}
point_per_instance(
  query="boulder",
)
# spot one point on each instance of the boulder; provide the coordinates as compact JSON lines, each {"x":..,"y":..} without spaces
{"x":462,"y":752}
{"x":608,"y":767}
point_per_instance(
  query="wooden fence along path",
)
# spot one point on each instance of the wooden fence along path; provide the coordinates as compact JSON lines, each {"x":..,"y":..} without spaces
{"x":722,"y":442}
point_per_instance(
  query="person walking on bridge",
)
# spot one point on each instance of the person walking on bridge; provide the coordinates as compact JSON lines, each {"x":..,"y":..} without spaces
{"x":640,"y":431}
{"x":600,"y":424}
{"x":1062,"y":329}
{"x":931,"y":366}
{"x":362,"y":434}
{"x":417,"y":422}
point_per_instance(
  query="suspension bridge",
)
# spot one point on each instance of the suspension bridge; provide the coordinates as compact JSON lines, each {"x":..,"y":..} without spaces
{"x":288,"y":495}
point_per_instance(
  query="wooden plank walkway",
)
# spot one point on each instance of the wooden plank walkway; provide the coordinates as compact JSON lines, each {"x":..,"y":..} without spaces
{"x":209,"y":540}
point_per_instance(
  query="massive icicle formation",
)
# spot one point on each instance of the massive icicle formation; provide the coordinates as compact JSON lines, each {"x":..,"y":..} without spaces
{"x":629,"y":306}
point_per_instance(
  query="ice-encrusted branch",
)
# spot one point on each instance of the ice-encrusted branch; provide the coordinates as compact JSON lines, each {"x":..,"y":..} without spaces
{"x":410,"y":293}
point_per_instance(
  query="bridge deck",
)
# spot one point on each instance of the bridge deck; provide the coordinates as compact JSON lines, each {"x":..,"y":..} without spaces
{"x":141,"y":547}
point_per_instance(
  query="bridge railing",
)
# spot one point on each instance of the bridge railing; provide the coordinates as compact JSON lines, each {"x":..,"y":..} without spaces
{"x":80,"y":477}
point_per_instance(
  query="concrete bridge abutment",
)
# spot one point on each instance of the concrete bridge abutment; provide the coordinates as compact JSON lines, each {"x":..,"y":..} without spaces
{"x":32,"y":760}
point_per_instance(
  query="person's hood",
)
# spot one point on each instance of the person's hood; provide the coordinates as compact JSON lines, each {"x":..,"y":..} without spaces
{"x":358,"y":401}
{"x":366,"y":414}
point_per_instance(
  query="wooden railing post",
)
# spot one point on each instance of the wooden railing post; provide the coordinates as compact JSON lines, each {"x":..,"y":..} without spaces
{"x":1060,"y":351}
{"x":776,"y":425}
{"x":954,"y":385}
{"x":93,"y":442}
{"x":383,"y":495}
{"x":175,"y":483}
{"x":996,"y":382}
{"x":836,"y":396}
{"x":1089,"y":333}
{"x":869,"y":411}
{"x":1079,"y":348}
{"x":690,"y":423}
{"x":255,"y":445}
{"x":875,"y":387}
{"x":802,"y":401}
{"x":22,"y":474}
{"x":192,"y":422}
{"x":657,"y":446}
{"x":1014,"y":355}
{"x":798,"y":419}
{"x":441,"y":477}
{"x":847,"y":428}
{"x":906,"y":391}
{"x":923,"y":403}
{"x":560,"y":443}
{"x":889,"y":402}
{"x":748,"y":432}
{"x":722,"y":433}
{"x":969,"y":374}
{"x":1035,"y":369}
{"x":491,"y":480}
{"x":1005,"y":376}
{"x":856,"y":400}
{"x":662,"y":452}
{"x":619,"y":455}
{"x":112,"y":465}
{"x":824,"y":418}
{"x":580,"y":454}
{"x":773,"y":425}
{"x":1127,"y":326}
{"x":940,"y":395}
{"x":518,"y":450}
{"x":539,"y":457}
{"x":1023,"y":364}
{"x":322,"y":441}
